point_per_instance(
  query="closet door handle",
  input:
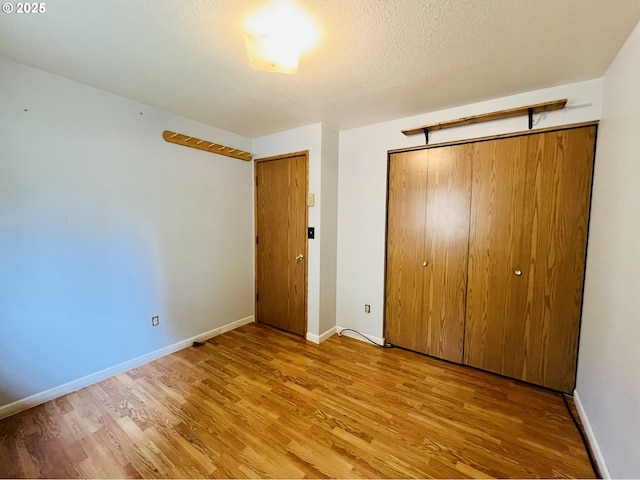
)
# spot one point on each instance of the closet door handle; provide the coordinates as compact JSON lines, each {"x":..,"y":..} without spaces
{"x":518,"y":273}
{"x":425,"y":263}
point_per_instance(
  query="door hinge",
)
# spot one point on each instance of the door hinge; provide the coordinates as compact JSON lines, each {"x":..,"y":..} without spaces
{"x":257,"y":240}
{"x":256,"y":180}
{"x":257,"y":297}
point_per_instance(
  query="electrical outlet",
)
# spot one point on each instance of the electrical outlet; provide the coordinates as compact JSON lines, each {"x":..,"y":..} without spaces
{"x":155,"y":321}
{"x":367,"y":308}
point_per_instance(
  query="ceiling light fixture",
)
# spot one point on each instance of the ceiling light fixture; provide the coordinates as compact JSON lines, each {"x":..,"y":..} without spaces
{"x":277,"y":34}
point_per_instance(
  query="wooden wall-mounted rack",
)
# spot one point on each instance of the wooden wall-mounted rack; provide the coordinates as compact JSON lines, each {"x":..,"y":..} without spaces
{"x":487,"y":117}
{"x":207,"y":146}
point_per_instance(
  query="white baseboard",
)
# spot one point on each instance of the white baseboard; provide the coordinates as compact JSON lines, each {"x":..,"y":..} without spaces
{"x":593,"y":442}
{"x":56,"y":392}
{"x":220,"y":330}
{"x":312,"y":337}
{"x":378,"y":340}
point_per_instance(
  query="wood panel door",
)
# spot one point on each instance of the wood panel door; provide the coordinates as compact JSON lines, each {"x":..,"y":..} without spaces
{"x":405,"y":324}
{"x":557,"y":211}
{"x":427,"y":241}
{"x":281,"y":242}
{"x":529,"y":219}
{"x":495,"y":294}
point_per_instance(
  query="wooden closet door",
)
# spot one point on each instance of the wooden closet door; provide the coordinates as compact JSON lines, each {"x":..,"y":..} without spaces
{"x":428,"y":218}
{"x":557,"y":210}
{"x":405,"y":325}
{"x":496,"y":295}
{"x":529,"y":218}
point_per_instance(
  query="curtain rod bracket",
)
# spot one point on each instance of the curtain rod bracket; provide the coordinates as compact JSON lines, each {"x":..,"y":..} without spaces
{"x":425,"y":130}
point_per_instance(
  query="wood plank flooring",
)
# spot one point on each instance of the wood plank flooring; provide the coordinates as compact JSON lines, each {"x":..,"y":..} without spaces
{"x":258,"y":402}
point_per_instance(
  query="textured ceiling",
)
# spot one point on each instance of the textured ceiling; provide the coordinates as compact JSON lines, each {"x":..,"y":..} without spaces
{"x":377,"y":60}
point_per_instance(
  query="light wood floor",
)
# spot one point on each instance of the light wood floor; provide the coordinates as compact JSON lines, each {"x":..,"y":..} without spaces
{"x":257,"y":402}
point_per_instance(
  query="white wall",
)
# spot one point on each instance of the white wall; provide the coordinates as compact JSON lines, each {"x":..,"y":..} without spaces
{"x":329,"y":228}
{"x":363,"y":179}
{"x":609,"y":358}
{"x":103,"y":225}
{"x":322,"y":144}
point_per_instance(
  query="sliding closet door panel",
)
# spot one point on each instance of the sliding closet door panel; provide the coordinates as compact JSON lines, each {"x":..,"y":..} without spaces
{"x":557,"y":210}
{"x":497,"y":277}
{"x":407,"y":203}
{"x":446,"y":248}
{"x":528,"y":230}
{"x":427,"y":242}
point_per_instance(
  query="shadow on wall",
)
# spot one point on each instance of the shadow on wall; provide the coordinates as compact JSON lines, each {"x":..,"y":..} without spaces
{"x":73,"y":301}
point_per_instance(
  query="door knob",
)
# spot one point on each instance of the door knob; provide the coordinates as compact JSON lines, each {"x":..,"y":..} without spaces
{"x":299,"y":257}
{"x":518,"y":272}
{"x":425,"y":263}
